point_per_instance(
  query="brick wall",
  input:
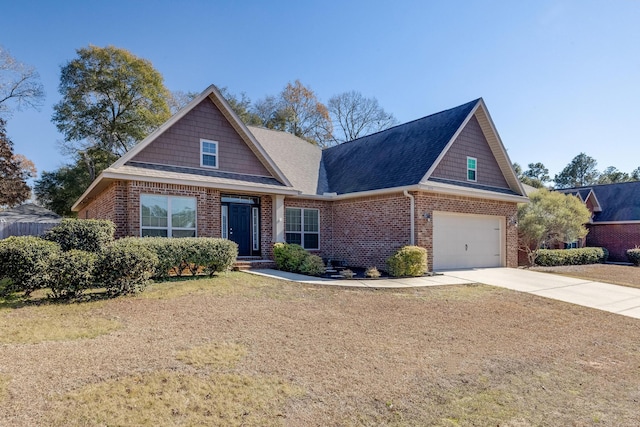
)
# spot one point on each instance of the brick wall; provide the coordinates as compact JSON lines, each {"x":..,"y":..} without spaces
{"x":428,"y":203}
{"x":110,"y":204}
{"x":326,"y":222}
{"x":369,"y":230}
{"x":617,"y":238}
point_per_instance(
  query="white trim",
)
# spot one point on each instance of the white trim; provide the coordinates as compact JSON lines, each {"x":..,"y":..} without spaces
{"x":412,"y":219}
{"x":631,"y":222}
{"x":202,"y":153}
{"x":475,"y":169}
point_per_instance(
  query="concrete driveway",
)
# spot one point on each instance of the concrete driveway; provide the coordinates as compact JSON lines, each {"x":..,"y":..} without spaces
{"x":603,"y":296}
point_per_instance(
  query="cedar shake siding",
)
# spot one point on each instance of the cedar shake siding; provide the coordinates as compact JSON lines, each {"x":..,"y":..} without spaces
{"x":617,"y":238}
{"x":180,"y":144}
{"x":428,"y":203}
{"x":471,"y":143}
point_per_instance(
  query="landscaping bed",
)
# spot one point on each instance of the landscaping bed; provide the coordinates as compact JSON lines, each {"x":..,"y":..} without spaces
{"x":608,"y":273}
{"x":249,"y":350}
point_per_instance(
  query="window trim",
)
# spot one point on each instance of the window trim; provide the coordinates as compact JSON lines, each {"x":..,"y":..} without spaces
{"x":169,"y":226}
{"x":202,"y":153}
{"x":302,"y":232}
{"x":474,"y":169}
{"x":224,"y":221}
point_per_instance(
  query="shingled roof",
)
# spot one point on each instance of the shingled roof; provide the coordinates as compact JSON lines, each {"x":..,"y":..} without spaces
{"x":619,"y":202}
{"x":396,"y":157}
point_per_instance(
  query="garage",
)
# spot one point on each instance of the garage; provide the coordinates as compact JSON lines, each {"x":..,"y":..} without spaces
{"x":467,"y":241}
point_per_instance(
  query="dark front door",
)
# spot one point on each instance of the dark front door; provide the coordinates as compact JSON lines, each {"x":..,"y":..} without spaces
{"x":240,"y":227}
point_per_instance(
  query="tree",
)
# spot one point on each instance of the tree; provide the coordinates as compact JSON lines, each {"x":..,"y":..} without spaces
{"x":635,"y":175}
{"x":579,"y":172}
{"x":242,"y":107}
{"x":536,"y":176}
{"x":356,"y":116}
{"x":178,"y":99}
{"x":14,"y":172}
{"x":612,"y":175}
{"x":296,"y":110}
{"x":58,"y":190}
{"x":111,"y":99}
{"x":550,"y":217}
{"x":19,"y":84}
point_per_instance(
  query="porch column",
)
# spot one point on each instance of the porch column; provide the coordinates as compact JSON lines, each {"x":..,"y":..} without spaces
{"x":278,"y":218}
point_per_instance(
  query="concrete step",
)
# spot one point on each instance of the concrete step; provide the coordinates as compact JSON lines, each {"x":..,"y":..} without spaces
{"x":252,"y":264}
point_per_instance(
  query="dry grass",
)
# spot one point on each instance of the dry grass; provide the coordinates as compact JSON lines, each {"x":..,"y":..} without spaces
{"x":258,"y":351}
{"x":219,"y":355}
{"x":54,"y":322}
{"x":4,"y":384}
{"x":608,"y":273}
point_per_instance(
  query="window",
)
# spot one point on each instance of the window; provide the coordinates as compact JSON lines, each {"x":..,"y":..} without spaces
{"x":302,"y":226}
{"x":472,"y":167}
{"x":255,"y":223}
{"x":167,"y":216}
{"x":208,"y":154}
{"x":224,"y":221}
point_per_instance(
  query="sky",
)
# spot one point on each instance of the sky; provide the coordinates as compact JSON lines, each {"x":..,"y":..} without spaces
{"x":558,"y":77}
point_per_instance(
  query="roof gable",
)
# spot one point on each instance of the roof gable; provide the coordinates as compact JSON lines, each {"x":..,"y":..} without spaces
{"x":396,"y":157}
{"x":619,"y":202}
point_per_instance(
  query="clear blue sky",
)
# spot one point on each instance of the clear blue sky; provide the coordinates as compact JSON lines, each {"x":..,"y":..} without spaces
{"x":558,"y":77}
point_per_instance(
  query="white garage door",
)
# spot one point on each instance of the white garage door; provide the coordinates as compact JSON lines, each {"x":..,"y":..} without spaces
{"x":467,"y":241}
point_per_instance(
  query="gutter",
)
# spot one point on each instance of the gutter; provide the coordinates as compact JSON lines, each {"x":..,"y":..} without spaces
{"x":412,"y":215}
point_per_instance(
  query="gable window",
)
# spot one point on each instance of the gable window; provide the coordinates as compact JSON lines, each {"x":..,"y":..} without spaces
{"x":472,"y":169}
{"x":167,"y":216}
{"x":302,"y":226}
{"x":208,"y":154}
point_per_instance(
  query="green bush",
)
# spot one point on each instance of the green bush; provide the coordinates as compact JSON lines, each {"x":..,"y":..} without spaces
{"x":578,"y":256}
{"x":90,"y":235}
{"x":408,"y":261}
{"x":71,"y":273}
{"x":125,"y":268}
{"x":206,"y":254}
{"x":634,"y":256}
{"x":312,"y":265}
{"x":289,"y":257}
{"x":25,"y":262}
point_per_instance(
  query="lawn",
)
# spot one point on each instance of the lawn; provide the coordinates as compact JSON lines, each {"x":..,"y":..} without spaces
{"x":253,"y":351}
{"x":608,"y":273}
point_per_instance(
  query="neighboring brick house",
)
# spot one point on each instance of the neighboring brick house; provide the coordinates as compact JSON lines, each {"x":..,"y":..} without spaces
{"x":443,"y":182}
{"x":615,"y":223}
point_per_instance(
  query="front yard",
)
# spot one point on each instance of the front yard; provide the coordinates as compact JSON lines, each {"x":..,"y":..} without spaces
{"x":608,"y":273}
{"x":248,"y":350}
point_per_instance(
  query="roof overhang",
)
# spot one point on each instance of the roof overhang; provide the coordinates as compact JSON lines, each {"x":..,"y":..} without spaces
{"x":109,"y":176}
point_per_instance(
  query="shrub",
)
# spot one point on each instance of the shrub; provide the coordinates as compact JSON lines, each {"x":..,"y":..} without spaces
{"x":634,"y":256}
{"x":83,"y":234}
{"x":125,"y":267}
{"x":347,"y":274}
{"x":312,"y":265}
{"x":289,"y":257}
{"x":578,"y":256}
{"x":25,"y":261}
{"x":372,"y":273}
{"x":217,"y":255}
{"x":71,"y":273}
{"x":408,"y":261}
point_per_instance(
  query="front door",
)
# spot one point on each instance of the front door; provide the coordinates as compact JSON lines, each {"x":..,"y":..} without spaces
{"x":240,"y":227}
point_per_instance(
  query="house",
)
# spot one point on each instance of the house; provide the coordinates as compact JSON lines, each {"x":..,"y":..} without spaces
{"x":615,"y":223}
{"x":27,"y":219}
{"x":443,"y":182}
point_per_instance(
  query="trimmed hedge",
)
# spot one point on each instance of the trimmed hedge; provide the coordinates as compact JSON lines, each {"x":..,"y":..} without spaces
{"x":125,"y":268}
{"x":71,"y":273}
{"x":195,"y":254}
{"x":292,"y":257}
{"x":25,"y":261}
{"x":634,"y":256}
{"x":577,"y":256}
{"x":408,"y":261}
{"x":90,"y":235}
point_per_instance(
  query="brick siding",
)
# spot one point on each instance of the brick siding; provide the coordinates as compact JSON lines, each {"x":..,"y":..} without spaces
{"x":617,"y":238}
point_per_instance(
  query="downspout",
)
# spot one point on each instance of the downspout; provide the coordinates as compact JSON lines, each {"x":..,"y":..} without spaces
{"x":412,"y":218}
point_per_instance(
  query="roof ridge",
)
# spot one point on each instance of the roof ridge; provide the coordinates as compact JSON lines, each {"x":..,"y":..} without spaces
{"x":406,"y":123}
{"x":599,"y":185}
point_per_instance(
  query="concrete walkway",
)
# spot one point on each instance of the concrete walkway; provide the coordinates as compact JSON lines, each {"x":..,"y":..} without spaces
{"x":412,"y":282}
{"x":603,"y":296}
